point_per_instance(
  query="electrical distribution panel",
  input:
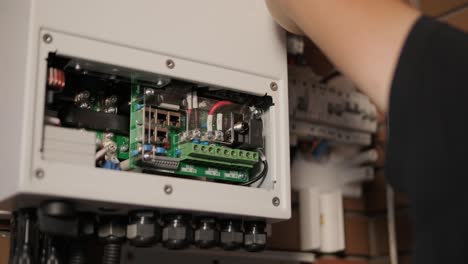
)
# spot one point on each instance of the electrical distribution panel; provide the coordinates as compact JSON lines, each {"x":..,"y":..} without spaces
{"x":149,"y":115}
{"x":333,"y":128}
{"x":321,"y":110}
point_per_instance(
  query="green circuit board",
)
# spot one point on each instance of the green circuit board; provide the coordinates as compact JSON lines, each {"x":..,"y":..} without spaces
{"x":155,"y":124}
{"x":222,"y":163}
{"x":213,"y":172}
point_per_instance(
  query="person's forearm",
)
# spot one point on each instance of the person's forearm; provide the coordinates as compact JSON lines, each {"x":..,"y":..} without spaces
{"x":363,"y":38}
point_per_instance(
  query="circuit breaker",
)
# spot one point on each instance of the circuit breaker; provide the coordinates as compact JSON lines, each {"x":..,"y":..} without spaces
{"x":333,"y":126}
{"x":175,"y":112}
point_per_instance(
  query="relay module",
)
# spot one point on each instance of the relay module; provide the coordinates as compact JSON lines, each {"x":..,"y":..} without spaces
{"x":155,"y":124}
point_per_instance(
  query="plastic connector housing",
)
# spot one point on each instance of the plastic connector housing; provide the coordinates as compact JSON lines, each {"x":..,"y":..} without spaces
{"x":219,"y":155}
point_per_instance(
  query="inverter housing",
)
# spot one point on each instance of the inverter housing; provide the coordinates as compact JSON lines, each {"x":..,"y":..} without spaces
{"x":233,"y":45}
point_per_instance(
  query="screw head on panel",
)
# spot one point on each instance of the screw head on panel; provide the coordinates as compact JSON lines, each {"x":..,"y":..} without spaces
{"x":273,"y":86}
{"x":170,"y":64}
{"x":168,"y":189}
{"x":39,"y":173}
{"x":276,"y":201}
{"x":47,"y":38}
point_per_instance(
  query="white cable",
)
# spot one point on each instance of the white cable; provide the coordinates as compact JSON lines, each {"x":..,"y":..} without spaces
{"x":209,"y":123}
{"x":189,"y":101}
{"x":195,"y":99}
{"x":355,"y":175}
{"x":219,"y":121}
{"x":363,"y":157}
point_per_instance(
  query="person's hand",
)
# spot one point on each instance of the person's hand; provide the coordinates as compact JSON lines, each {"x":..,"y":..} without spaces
{"x":280,"y":10}
{"x":362,"y":38}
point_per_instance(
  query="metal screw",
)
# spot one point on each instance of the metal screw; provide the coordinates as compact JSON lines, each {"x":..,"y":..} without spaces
{"x":273,"y":86}
{"x":276,"y":201}
{"x":112,"y":147}
{"x":170,"y":64}
{"x":168,"y":189}
{"x":47,"y":38}
{"x":149,"y":91}
{"x":124,"y":148}
{"x":40,"y":173}
{"x":109,"y":135}
{"x":257,"y":113}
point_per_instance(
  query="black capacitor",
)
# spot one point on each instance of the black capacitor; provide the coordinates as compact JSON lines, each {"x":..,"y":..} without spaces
{"x":231,"y":235}
{"x":246,"y":134}
{"x":255,"y":236}
{"x":177,"y":231}
{"x":206,"y":232}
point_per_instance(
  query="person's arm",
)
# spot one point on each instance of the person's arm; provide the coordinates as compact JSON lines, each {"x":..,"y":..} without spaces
{"x":363,"y":38}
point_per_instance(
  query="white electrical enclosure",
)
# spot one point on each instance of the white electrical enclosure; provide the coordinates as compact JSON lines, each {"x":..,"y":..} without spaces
{"x":234,"y":45}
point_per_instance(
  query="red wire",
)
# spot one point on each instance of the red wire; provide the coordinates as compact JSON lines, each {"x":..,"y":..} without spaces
{"x":218,"y":105}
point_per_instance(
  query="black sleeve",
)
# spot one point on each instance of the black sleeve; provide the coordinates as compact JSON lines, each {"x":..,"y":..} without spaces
{"x":427,"y":152}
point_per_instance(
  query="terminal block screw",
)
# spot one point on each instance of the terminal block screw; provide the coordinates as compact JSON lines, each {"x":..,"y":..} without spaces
{"x":47,"y":38}
{"x":273,"y":86}
{"x":124,"y":148}
{"x":40,"y":173}
{"x":170,"y":64}
{"x":276,"y":201}
{"x":257,"y":113}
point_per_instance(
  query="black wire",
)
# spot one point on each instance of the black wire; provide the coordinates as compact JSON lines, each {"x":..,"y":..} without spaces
{"x":264,"y":176}
{"x":261,"y":175}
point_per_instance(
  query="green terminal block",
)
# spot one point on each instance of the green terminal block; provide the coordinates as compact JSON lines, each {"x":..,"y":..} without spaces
{"x":217,"y":155}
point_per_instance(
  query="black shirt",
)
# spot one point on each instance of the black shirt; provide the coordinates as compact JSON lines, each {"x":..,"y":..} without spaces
{"x":427,"y":153}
